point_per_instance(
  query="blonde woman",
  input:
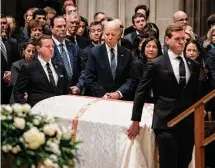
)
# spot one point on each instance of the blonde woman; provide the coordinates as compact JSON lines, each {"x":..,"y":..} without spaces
{"x":209,"y":43}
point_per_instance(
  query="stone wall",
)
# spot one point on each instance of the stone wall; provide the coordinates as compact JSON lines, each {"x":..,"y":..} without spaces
{"x":161,"y":11}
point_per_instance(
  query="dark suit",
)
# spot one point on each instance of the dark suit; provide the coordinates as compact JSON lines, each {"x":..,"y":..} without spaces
{"x":15,"y":70}
{"x":129,"y":30}
{"x":12,"y":56}
{"x":125,"y":43}
{"x":33,"y":80}
{"x":82,"y":41}
{"x":76,"y":59}
{"x":131,"y":37}
{"x":175,"y":144}
{"x":211,"y":66}
{"x":98,"y":72}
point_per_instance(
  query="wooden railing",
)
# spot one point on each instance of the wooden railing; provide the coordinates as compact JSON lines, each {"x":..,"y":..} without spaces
{"x":200,"y":141}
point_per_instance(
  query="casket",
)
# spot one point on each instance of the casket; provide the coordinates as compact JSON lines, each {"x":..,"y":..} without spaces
{"x":101,"y":125}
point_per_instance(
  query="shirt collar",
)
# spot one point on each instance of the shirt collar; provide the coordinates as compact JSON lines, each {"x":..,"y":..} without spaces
{"x":108,"y":48}
{"x":172,"y":55}
{"x":43,"y":62}
{"x":57,"y":42}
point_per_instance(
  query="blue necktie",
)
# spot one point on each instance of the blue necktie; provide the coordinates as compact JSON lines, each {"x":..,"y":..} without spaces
{"x":113,"y":63}
{"x":66,"y":62}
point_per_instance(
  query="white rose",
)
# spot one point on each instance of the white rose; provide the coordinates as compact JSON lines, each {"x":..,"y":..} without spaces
{"x":14,"y":150}
{"x":49,"y":119}
{"x":5,"y":148}
{"x":55,"y":165}
{"x":9,"y":117}
{"x":53,"y":158}
{"x":8,"y":109}
{"x":34,"y":138}
{"x":17,"y":108}
{"x":18,"y":148}
{"x":50,"y":129}
{"x":19,"y":123}
{"x":3,"y":117}
{"x":53,"y":147}
{"x":48,"y":162}
{"x":26,"y":108}
{"x":36,"y":122}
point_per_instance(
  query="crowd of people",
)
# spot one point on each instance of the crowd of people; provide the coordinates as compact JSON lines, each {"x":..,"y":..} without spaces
{"x":56,"y":54}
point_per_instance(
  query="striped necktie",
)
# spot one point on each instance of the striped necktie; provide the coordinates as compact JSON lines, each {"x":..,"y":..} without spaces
{"x":4,"y":50}
{"x":66,"y":62}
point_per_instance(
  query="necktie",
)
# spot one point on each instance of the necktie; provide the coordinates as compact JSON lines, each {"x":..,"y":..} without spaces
{"x":51,"y":78}
{"x":113,"y":63}
{"x":182,"y":72}
{"x":66,"y":62}
{"x":4,"y":50}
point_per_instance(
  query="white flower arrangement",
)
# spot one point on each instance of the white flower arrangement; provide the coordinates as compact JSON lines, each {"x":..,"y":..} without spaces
{"x":34,"y":140}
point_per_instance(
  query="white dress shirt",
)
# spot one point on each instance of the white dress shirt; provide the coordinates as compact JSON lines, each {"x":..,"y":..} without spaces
{"x":175,"y":62}
{"x":109,"y":53}
{"x":43,"y":63}
{"x":64,"y":47}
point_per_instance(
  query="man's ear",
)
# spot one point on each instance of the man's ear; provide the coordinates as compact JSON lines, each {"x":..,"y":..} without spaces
{"x":38,"y":48}
{"x":167,"y":40}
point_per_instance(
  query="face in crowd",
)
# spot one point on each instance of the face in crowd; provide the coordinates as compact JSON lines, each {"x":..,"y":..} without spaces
{"x":151,"y":50}
{"x":95,"y":33}
{"x":41,"y":18}
{"x":36,"y":32}
{"x":181,"y":18}
{"x":73,"y":22}
{"x":28,"y":52}
{"x":59,"y":28}
{"x":46,"y":49}
{"x":111,"y":33}
{"x":81,"y":28}
{"x":176,"y":42}
{"x":28,"y":16}
{"x":139,"y":23}
{"x":4,"y":27}
{"x":192,"y":51}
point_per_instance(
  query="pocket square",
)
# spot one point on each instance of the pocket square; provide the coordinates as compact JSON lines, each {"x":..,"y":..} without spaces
{"x":61,"y":76}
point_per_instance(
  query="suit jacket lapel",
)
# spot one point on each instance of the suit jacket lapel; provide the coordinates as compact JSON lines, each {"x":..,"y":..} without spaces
{"x":189,"y":64}
{"x":57,"y":54}
{"x":70,"y":52}
{"x":57,"y":70}
{"x":119,"y":60}
{"x":104,"y":58}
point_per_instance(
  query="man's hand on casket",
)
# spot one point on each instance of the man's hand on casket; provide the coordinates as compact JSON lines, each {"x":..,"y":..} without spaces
{"x":75,"y":90}
{"x":133,"y":130}
{"x":113,"y":95}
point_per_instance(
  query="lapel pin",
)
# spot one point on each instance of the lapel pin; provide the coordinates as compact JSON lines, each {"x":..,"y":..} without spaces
{"x":122,"y":55}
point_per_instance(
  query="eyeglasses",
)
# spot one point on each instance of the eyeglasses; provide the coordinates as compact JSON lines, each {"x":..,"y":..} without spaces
{"x":183,"y":19}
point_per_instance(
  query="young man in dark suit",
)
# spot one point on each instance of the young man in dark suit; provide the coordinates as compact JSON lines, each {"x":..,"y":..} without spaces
{"x":174,"y":80}
{"x":108,"y":67}
{"x":69,"y":54}
{"x":139,"y":22}
{"x":9,"y":54}
{"x":41,"y":78}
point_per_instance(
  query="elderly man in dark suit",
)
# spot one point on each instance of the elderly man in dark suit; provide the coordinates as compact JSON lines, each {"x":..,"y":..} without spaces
{"x":9,"y":54}
{"x":174,"y":80}
{"x":108,"y":67}
{"x":41,"y":78}
{"x":69,"y":54}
